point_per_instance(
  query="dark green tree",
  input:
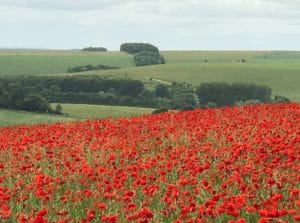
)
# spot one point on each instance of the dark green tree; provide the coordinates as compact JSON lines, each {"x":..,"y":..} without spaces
{"x":17,"y":94}
{"x":36,"y":103}
{"x":147,"y":58}
{"x":133,"y":48}
{"x":58,"y":109}
{"x":5,"y":99}
{"x":162,"y":91}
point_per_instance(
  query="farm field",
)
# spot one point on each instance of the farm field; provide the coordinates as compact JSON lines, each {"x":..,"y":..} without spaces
{"x":10,"y":117}
{"x":74,"y":112}
{"x":82,"y":111}
{"x":236,"y":164}
{"x":27,"y":62}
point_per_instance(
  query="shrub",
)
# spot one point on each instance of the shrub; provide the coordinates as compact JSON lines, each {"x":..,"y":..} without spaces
{"x":211,"y":104}
{"x":160,"y":110}
{"x":54,"y":88}
{"x":187,"y":107}
{"x":58,"y":109}
{"x":281,"y":99}
{"x":33,"y":102}
{"x":90,"y":68}
{"x":5,"y":99}
{"x":162,"y":91}
{"x":252,"y":102}
{"x":147,"y":58}
{"x":247,"y":102}
{"x":239,"y":103}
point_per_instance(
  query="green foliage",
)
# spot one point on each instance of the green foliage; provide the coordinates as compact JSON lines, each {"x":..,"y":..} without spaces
{"x":133,"y":48}
{"x":36,"y":103}
{"x":16,"y":94}
{"x":183,"y":100}
{"x":224,"y":94}
{"x":90,"y":68}
{"x":161,"y":102}
{"x":187,"y":107}
{"x":145,"y":58}
{"x":72,"y":89}
{"x":281,"y":99}
{"x":104,"y":91}
{"x":54,"y":88}
{"x":211,"y":104}
{"x":252,"y":102}
{"x":248,"y":102}
{"x":58,"y":109}
{"x":95,"y":49}
{"x":162,"y":91}
{"x":160,"y":110}
{"x":131,"y":87}
{"x":5,"y":98}
{"x":39,"y":87}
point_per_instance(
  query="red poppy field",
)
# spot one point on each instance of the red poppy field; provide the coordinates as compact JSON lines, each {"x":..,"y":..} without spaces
{"x":238,"y":164}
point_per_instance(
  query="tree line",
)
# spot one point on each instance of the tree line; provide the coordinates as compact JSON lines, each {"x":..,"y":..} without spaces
{"x":94,"y":49}
{"x":91,"y":68}
{"x":34,"y":93}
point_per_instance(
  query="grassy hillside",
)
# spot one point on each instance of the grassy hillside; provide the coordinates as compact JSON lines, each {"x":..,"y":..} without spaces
{"x":52,"y":62}
{"x":211,"y":56}
{"x":74,"y":112}
{"x":9,"y":117}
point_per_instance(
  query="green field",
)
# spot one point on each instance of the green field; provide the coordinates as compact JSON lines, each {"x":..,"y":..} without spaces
{"x":25,"y":62}
{"x":74,"y":112}
{"x":101,"y":111}
{"x":9,"y":117}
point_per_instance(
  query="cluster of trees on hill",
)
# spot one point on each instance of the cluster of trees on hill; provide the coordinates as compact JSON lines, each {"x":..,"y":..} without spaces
{"x":144,"y":53}
{"x":14,"y":96}
{"x":33,"y":93}
{"x":133,"y":48}
{"x":90,"y":68}
{"x":95,"y":49}
{"x":148,"y":58}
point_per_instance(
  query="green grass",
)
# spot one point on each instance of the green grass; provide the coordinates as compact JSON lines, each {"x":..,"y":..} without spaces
{"x":82,"y":111}
{"x":212,"y":56}
{"x":9,"y":117}
{"x":53,"y":62}
{"x":74,"y":112}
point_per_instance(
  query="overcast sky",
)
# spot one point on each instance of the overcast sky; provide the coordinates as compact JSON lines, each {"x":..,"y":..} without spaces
{"x":169,"y":24}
